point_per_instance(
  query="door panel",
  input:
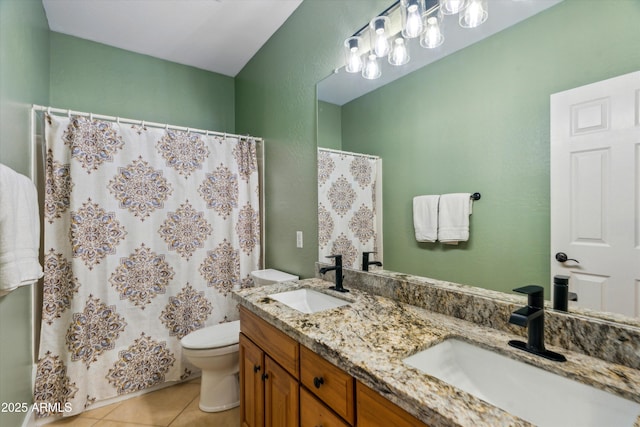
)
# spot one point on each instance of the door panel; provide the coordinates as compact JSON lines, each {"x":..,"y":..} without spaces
{"x":251,"y":384}
{"x":281,"y":396}
{"x":595,"y":192}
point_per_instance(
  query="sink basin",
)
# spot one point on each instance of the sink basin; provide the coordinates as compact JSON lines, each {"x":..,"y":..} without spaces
{"x":308,"y":300}
{"x":528,"y":392}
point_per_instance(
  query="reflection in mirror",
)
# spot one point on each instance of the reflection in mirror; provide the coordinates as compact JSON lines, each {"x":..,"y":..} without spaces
{"x":478,"y":120}
{"x":349,"y":207}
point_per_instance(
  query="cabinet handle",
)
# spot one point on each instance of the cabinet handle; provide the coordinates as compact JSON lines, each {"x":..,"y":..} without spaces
{"x":256,"y":368}
{"x":265,"y":376}
{"x":318,"y":381}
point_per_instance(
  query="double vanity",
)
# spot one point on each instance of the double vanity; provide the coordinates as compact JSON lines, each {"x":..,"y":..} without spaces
{"x":403,"y":350}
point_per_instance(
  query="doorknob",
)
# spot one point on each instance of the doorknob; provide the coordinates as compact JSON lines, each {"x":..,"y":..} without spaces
{"x":562,"y":257}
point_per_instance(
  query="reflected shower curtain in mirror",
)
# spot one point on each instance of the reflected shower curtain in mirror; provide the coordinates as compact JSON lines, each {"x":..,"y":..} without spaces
{"x":146,"y":232}
{"x":349,"y":206}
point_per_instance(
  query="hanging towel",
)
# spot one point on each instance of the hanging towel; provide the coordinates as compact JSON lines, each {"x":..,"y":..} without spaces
{"x":425,"y":217}
{"x":19,"y":231}
{"x":453,"y":217}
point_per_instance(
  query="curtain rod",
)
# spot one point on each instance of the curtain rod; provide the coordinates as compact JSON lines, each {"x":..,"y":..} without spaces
{"x":368,"y":156}
{"x":140,"y":122}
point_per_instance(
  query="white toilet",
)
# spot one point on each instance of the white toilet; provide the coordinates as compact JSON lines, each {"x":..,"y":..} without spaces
{"x":270,"y":276}
{"x":214,"y":350}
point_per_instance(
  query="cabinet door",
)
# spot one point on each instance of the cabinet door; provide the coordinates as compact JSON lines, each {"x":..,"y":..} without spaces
{"x":281,"y":396}
{"x":376,"y":411}
{"x":251,"y":383}
{"x":314,"y":413}
{"x":332,"y":385}
{"x":280,"y":347}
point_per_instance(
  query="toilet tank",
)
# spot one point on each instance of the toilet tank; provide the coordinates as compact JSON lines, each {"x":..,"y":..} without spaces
{"x":270,"y":276}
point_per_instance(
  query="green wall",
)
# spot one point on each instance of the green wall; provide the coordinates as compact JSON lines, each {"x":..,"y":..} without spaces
{"x":329,"y":125}
{"x":275,"y":98}
{"x":24,"y":80}
{"x":478,"y":120}
{"x":92,"y":77}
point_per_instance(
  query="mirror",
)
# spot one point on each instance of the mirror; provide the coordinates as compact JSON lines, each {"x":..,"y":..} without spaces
{"x":477,"y":120}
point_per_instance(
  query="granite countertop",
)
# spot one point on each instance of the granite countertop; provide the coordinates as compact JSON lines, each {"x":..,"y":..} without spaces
{"x":370,"y":337}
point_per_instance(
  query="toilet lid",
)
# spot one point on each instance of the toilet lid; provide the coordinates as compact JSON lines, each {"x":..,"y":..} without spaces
{"x":221,"y":335}
{"x":274,"y":275}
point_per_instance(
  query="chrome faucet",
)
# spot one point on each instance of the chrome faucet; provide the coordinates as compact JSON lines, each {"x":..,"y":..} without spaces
{"x":366,"y":263}
{"x":531,"y":316}
{"x":338,"y":269}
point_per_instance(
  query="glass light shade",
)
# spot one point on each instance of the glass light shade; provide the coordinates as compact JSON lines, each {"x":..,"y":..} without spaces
{"x":399,"y":54}
{"x":432,"y":36}
{"x":378,"y":29}
{"x":474,"y":14}
{"x":451,"y":7}
{"x":411,"y":12}
{"x":353,"y":54}
{"x":371,"y":70}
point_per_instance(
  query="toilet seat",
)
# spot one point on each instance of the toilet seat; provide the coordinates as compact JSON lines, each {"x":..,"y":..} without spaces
{"x":213,"y":337}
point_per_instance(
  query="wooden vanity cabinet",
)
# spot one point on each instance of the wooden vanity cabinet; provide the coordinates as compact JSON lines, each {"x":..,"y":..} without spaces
{"x":281,"y":403}
{"x":314,"y":413}
{"x":329,"y":383}
{"x":376,"y":411}
{"x":284,"y":384}
{"x":251,"y":383}
{"x":269,"y":386}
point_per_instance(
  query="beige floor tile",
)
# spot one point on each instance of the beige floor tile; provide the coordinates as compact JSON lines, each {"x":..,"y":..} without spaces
{"x":76,"y":421}
{"x":192,"y":416}
{"x":109,"y":423}
{"x":99,"y":412}
{"x":157,"y":408}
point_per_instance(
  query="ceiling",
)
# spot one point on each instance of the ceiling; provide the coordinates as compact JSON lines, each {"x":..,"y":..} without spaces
{"x":214,"y":35}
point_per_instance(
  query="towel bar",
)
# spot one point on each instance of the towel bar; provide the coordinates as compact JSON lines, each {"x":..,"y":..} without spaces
{"x":476,"y":196}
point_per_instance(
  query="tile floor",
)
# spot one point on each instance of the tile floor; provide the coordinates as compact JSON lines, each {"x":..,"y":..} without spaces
{"x":175,"y":406}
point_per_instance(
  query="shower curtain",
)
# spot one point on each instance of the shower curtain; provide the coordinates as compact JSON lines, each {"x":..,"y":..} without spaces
{"x":146,"y":232}
{"x":349,"y":206}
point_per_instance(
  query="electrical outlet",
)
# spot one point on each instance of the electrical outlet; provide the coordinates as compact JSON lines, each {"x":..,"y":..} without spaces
{"x":298,"y":239}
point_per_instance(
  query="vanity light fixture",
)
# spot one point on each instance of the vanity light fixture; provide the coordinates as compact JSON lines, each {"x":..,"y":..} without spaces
{"x":399,"y":54}
{"x":432,"y":36}
{"x":451,"y":7}
{"x":371,"y":69}
{"x":379,"y":30}
{"x":474,"y":14}
{"x":411,"y":12}
{"x":353,"y":54}
{"x":423,"y":19}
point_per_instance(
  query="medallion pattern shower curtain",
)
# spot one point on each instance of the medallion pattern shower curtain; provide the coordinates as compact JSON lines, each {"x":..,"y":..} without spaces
{"x":147,"y":231}
{"x":349,"y":206}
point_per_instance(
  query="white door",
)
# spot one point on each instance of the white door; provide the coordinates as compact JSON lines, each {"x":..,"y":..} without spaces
{"x":595,"y":192}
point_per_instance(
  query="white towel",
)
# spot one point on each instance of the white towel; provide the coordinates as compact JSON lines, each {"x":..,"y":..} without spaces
{"x":425,"y":218}
{"x":453,"y":217}
{"x":19,"y":231}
